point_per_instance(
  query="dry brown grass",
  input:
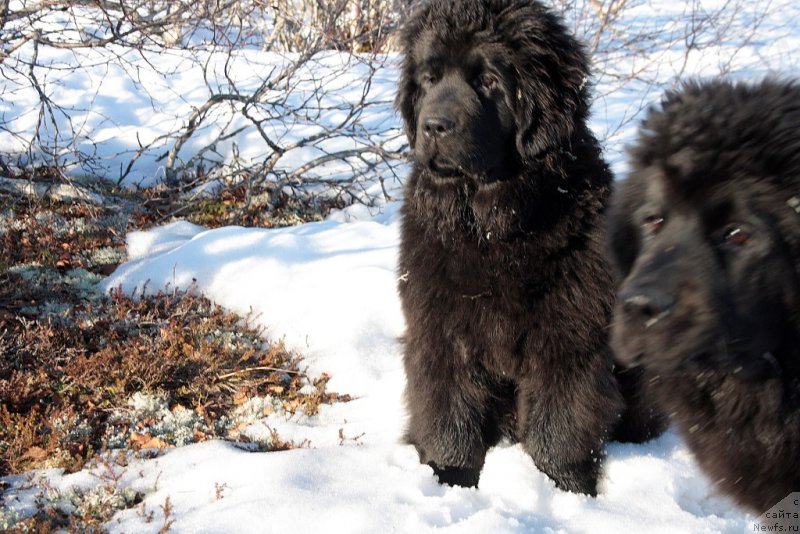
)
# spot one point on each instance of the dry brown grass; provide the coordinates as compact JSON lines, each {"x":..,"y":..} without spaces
{"x":267,"y":207}
{"x":71,"y":358}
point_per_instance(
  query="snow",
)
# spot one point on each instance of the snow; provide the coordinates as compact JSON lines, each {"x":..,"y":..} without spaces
{"x":339,"y":277}
{"x":129,"y":111}
{"x":328,"y":289}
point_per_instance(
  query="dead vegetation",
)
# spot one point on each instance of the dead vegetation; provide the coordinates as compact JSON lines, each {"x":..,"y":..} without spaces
{"x":85,"y":376}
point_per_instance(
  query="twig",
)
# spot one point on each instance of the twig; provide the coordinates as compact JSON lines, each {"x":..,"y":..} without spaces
{"x":260,"y":368}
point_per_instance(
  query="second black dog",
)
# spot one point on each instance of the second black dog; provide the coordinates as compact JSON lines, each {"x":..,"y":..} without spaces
{"x":706,"y":237}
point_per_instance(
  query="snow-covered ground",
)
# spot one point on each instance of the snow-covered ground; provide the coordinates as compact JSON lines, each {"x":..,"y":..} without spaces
{"x":328,"y":289}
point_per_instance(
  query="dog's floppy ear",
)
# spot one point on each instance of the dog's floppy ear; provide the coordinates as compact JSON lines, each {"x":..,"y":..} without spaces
{"x":552,"y":77}
{"x":623,"y":242}
{"x":408,"y":91}
{"x":407,"y":97}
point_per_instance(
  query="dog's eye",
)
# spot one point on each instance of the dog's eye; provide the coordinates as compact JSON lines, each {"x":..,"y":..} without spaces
{"x":736,"y":235}
{"x":428,"y":79}
{"x":653,"y":224}
{"x":487,"y":81}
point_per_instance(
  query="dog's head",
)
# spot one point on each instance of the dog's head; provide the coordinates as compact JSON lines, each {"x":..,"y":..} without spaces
{"x":488,"y":85}
{"x":705,"y":233}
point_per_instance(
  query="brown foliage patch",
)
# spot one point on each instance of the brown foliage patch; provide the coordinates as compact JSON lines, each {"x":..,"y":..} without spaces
{"x":71,"y":358}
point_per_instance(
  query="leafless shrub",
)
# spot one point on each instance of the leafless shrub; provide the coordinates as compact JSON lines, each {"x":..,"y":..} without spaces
{"x":639,"y":45}
{"x":263,"y":98}
{"x":249,"y":115}
{"x":353,"y":25}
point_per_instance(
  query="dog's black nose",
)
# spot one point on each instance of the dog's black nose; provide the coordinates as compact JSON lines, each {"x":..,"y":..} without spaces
{"x":648,"y":304}
{"x":438,"y":126}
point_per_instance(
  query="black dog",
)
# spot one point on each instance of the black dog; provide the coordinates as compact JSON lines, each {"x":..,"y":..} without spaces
{"x":706,"y":235}
{"x":504,"y":282}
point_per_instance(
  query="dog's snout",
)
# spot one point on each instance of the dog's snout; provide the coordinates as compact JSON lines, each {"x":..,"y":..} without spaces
{"x":648,"y":303}
{"x":438,"y":126}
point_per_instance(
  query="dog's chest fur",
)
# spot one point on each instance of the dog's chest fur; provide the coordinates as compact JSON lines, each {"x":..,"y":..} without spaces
{"x":512,"y":287}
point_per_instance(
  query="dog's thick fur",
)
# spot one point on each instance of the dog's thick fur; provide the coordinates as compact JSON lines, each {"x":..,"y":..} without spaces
{"x":706,"y":237}
{"x":504,"y":283}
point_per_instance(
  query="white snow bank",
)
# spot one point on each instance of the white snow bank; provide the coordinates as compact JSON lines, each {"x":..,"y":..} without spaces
{"x":329,"y":289}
